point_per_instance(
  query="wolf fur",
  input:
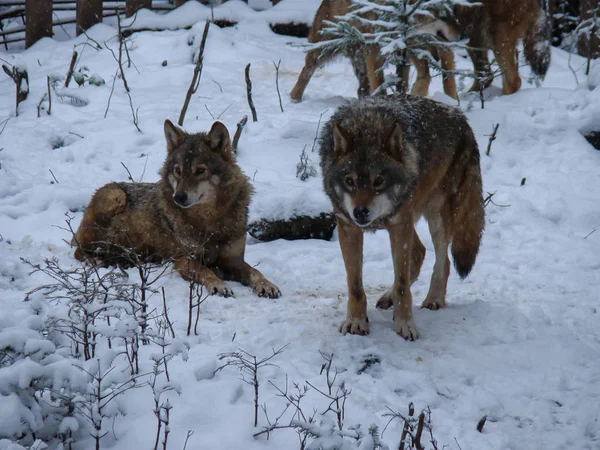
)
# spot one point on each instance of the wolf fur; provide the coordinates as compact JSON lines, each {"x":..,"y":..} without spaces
{"x":498,"y":25}
{"x":386,"y":161}
{"x":366,"y":62}
{"x":195,"y":216}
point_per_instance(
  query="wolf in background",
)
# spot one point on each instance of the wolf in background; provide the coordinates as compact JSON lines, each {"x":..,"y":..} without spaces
{"x":195,"y":216}
{"x":366,"y":62}
{"x":498,"y":25}
{"x":387,"y":161}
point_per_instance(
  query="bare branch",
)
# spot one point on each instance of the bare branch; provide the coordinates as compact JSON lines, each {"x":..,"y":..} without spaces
{"x":249,"y":94}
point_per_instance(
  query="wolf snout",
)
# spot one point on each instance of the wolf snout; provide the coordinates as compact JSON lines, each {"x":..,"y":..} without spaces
{"x":180,"y":198}
{"x":361,"y":215}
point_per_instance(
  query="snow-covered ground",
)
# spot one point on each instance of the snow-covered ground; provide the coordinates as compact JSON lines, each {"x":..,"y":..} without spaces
{"x":519,"y":341}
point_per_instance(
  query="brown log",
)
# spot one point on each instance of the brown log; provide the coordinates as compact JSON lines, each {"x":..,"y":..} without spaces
{"x":38,"y":22}
{"x":299,"y":227}
{"x":89,"y":13}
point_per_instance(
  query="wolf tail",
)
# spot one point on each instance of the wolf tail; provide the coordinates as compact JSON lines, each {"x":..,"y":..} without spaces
{"x":536,"y":45}
{"x":469,"y":215}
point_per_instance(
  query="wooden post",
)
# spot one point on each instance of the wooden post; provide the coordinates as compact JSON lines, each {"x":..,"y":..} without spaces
{"x":589,"y":47}
{"x":38,"y":20}
{"x":88,"y":13}
{"x":132,"y":6}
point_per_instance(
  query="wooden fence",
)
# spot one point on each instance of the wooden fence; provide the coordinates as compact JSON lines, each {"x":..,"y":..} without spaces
{"x":38,"y":16}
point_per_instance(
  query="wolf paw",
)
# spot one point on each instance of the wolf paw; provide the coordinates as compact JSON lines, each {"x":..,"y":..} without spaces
{"x":385,"y":301}
{"x":219,"y":288}
{"x":266,"y":289}
{"x":354,"y":325}
{"x":406,"y":328}
{"x":433,"y":303}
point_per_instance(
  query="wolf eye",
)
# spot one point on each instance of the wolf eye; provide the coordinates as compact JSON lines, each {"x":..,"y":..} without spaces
{"x":378,"y":182}
{"x":199,"y":171}
{"x":177,"y":170}
{"x":349,"y":182}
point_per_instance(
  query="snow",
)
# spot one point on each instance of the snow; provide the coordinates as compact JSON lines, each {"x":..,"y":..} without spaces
{"x":519,"y":341}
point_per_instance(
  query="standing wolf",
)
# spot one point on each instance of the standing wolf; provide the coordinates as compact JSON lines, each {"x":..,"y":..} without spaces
{"x":498,"y":25}
{"x":195,"y":216}
{"x":386,"y":161}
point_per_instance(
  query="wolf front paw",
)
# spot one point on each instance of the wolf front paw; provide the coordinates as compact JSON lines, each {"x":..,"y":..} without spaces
{"x":433,"y":303}
{"x":219,"y":288}
{"x":355,"y":325}
{"x":267,"y":289}
{"x":406,"y":328}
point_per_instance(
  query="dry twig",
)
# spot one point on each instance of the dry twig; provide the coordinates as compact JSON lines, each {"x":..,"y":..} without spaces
{"x":196,"y":77}
{"x":238,"y":133}
{"x":249,"y":93}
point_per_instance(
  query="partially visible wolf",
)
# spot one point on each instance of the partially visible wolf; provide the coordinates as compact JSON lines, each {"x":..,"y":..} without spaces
{"x":498,"y":25}
{"x":387,"y":161}
{"x":195,"y":216}
{"x":366,"y":62}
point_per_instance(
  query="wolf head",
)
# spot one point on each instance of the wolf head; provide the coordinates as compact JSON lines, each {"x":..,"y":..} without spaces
{"x":196,"y":164}
{"x":438,"y":20}
{"x":372,"y":175}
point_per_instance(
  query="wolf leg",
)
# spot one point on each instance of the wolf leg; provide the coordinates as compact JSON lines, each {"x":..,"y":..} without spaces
{"x":416,"y":261}
{"x":421,"y":85}
{"x":192,"y":270}
{"x":231,"y":262}
{"x":106,"y":203}
{"x":447,"y":62}
{"x":481,"y":67}
{"x":401,"y":239}
{"x":359,"y":65}
{"x":314,"y":59}
{"x":439,"y":227}
{"x":506,"y":55}
{"x":351,"y":243}
{"x":374,"y":63}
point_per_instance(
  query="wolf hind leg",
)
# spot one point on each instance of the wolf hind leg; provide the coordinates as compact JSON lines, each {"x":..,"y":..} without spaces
{"x":106,"y":203}
{"x":440,"y":227}
{"x":416,"y":262}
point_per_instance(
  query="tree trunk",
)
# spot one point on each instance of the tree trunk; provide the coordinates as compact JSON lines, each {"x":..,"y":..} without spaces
{"x":178,"y":3}
{"x":588,"y":44}
{"x":132,"y":6}
{"x":88,"y":13}
{"x":38,"y":21}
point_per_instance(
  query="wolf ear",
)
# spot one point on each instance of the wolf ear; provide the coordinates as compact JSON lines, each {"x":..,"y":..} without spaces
{"x":218,"y":137}
{"x":394,"y":141}
{"x":173,"y":135}
{"x":341,"y":141}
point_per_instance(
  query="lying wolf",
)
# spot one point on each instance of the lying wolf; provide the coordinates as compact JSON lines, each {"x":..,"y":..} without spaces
{"x":387,"y":161}
{"x":195,"y":216}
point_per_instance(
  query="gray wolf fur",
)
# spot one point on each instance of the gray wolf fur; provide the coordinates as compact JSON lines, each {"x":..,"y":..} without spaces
{"x":386,"y":161}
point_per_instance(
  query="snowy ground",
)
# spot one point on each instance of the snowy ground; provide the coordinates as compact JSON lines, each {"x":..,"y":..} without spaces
{"x":519,"y":341}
